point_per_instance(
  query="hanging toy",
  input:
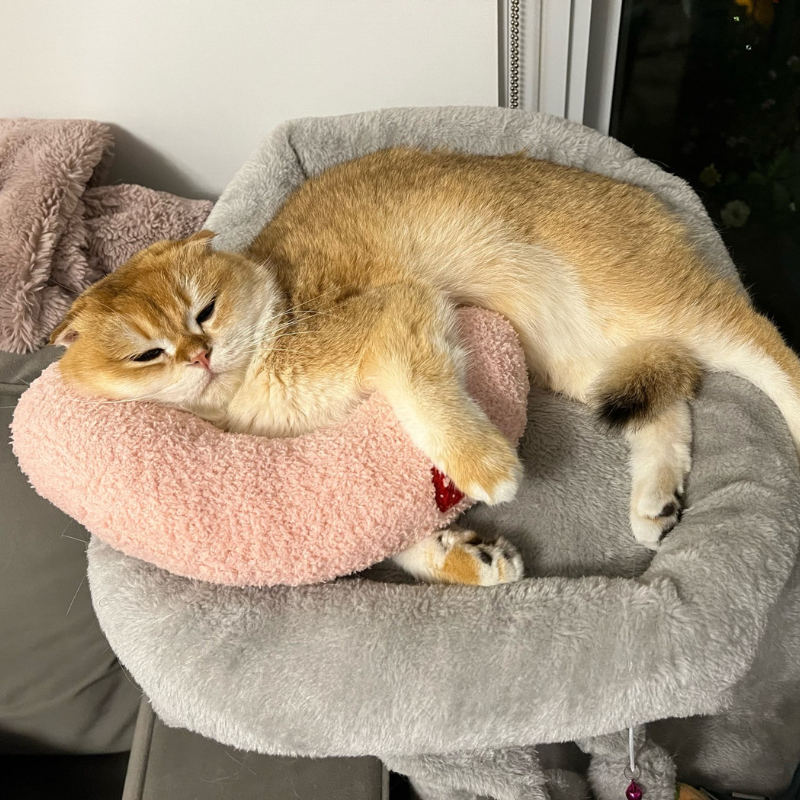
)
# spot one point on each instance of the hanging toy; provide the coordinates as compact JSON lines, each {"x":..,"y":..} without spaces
{"x":632,"y":772}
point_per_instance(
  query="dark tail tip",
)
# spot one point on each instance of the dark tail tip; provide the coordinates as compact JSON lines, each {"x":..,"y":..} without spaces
{"x":645,"y":380}
{"x":620,"y":410}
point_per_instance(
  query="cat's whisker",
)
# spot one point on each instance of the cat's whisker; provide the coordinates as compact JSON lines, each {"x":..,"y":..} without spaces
{"x":101,"y":402}
{"x":257,"y":326}
{"x":300,"y":317}
{"x":297,"y":321}
{"x":75,"y":539}
{"x":108,"y":308}
{"x":294,"y":308}
{"x":286,"y":325}
{"x":75,"y":595}
{"x":65,"y":288}
{"x":293,"y":333}
{"x":317,"y":297}
{"x":266,"y":350}
{"x":310,"y":312}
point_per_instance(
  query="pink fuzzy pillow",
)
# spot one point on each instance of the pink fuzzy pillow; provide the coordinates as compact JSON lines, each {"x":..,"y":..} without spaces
{"x":169,"y":488}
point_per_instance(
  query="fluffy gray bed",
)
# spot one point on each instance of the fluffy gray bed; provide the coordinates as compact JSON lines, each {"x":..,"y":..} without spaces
{"x":456,"y":685}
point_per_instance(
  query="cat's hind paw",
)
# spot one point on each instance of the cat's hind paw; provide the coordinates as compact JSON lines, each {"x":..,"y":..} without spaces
{"x":653,"y":517}
{"x":463,"y":557}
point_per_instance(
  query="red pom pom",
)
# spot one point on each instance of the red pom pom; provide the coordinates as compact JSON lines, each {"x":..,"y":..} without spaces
{"x":447,"y":493}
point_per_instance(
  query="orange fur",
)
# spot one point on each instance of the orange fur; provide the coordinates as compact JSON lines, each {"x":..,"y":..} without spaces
{"x":459,"y":566}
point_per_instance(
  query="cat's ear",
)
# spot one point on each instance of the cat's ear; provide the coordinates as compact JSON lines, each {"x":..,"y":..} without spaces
{"x":201,"y":239}
{"x":65,"y":334}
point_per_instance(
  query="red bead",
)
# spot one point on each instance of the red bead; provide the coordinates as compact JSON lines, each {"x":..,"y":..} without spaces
{"x":447,"y":494}
{"x":634,"y":791}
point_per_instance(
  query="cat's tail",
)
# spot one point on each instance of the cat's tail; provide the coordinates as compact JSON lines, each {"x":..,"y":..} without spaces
{"x":750,"y":346}
{"x":645,"y":379}
{"x":648,"y":377}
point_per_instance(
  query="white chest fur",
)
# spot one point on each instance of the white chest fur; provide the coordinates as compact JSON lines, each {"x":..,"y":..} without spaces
{"x":290,"y":402}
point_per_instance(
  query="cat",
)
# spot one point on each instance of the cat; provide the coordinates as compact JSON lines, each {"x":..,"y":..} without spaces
{"x":353,"y":285}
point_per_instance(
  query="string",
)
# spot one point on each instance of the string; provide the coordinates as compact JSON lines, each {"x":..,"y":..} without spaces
{"x":630,"y":749}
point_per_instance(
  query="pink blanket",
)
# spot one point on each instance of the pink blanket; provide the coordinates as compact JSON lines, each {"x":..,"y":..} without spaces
{"x":167,"y":487}
{"x":59,"y":230}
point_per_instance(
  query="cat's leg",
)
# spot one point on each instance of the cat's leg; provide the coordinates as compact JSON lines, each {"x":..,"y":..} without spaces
{"x":413,"y":358}
{"x":463,"y":557}
{"x":644,"y":391}
{"x":661,"y":457}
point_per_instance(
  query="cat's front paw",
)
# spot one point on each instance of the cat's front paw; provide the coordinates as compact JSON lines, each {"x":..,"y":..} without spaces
{"x":484,"y":467}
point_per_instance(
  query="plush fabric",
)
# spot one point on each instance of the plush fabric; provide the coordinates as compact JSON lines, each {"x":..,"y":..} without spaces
{"x":288,"y":511}
{"x":62,"y":689}
{"x":59,"y":230}
{"x":453,"y":685}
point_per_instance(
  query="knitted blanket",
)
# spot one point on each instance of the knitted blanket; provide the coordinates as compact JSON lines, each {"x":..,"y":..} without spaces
{"x":60,"y":231}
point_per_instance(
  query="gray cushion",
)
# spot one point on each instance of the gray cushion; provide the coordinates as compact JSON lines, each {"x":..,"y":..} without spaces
{"x":61,"y":687}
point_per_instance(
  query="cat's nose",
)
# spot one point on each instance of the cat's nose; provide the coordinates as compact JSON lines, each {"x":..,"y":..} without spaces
{"x":202,"y":358}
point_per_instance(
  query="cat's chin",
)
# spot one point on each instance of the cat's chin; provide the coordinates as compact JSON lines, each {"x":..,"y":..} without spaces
{"x":216,"y":416}
{"x":213,"y":412}
{"x":212,"y":399}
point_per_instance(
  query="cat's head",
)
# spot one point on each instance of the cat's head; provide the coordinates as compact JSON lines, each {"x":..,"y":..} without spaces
{"x":178,"y":324}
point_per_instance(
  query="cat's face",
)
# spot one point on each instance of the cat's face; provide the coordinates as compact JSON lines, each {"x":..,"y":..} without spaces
{"x":178,"y":324}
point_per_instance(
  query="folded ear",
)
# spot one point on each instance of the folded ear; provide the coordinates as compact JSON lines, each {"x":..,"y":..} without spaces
{"x":201,"y":238}
{"x":65,"y":334}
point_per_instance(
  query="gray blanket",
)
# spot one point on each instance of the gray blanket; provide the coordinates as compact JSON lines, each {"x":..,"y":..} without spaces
{"x":455,"y":685}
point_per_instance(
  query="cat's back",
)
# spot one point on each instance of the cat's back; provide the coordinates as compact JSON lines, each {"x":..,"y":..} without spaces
{"x":411,"y":207}
{"x":404,"y":180}
{"x":401,"y":183}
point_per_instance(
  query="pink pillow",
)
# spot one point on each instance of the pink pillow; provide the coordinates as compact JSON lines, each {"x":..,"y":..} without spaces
{"x":164,"y":486}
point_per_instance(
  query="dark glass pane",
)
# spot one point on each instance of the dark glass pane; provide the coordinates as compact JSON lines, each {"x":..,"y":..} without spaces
{"x":710,"y":89}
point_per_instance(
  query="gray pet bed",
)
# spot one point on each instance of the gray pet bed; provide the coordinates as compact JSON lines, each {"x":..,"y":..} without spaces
{"x":455,"y":685}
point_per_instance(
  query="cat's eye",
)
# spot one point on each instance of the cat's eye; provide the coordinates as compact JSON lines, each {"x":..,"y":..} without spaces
{"x":206,"y":313}
{"x":148,"y":355}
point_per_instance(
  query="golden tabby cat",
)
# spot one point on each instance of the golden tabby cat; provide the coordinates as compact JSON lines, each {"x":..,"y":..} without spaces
{"x":352,"y":287}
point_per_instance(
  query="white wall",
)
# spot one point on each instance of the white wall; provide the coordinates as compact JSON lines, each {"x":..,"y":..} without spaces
{"x":191,"y":86}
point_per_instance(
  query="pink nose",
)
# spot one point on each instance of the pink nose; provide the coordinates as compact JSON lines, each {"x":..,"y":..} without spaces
{"x":202,"y":359}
